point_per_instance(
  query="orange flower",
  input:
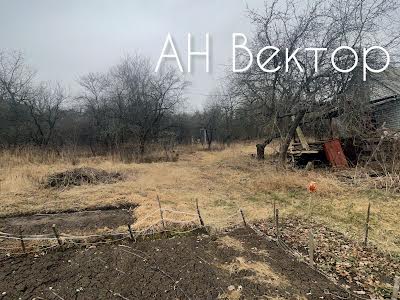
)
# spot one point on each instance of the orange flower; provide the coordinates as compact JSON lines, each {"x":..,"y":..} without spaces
{"x":312,"y":187}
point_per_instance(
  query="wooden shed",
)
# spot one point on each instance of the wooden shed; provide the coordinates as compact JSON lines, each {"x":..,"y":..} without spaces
{"x":387,"y":111}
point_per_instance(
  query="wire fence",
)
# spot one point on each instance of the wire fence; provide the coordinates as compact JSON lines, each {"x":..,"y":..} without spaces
{"x":161,"y":225}
{"x":166,"y":225}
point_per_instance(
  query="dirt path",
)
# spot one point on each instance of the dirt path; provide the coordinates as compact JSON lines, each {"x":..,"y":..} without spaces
{"x":235,"y":265}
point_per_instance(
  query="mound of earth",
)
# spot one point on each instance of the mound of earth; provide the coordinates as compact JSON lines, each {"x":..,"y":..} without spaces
{"x":81,"y":176}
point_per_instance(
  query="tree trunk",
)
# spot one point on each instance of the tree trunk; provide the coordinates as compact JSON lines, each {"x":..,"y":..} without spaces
{"x":285,"y":146}
{"x":209,"y":137}
{"x":209,"y":144}
{"x":142,"y":148}
{"x":143,"y":139}
{"x":261,"y":149}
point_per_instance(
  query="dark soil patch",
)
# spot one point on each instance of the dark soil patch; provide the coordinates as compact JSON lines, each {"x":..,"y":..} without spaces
{"x":127,"y":205}
{"x":81,"y":176}
{"x":191,"y":267}
{"x":75,"y":222}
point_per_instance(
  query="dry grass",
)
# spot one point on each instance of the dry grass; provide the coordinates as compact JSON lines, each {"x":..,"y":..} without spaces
{"x":260,"y":272}
{"x":229,"y":242}
{"x":231,"y":295}
{"x":223,"y":181}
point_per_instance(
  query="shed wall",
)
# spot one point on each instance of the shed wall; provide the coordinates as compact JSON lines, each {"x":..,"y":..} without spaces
{"x":390,"y":113}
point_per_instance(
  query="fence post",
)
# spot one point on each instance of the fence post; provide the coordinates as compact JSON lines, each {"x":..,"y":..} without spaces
{"x":198,"y":212}
{"x":161,"y":212}
{"x":367,"y":225}
{"x":277,"y":223}
{"x":130,"y":231}
{"x":311,"y":247}
{"x":56,"y":234}
{"x":243,"y":218}
{"x":22,"y":240}
{"x":396,"y":287}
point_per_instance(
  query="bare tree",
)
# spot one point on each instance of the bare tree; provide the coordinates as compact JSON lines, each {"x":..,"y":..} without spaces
{"x":95,"y":98}
{"x":211,"y":121}
{"x":15,"y":77}
{"x":222,"y":103}
{"x":44,"y":107}
{"x":136,"y":99}
{"x":36,"y":106}
{"x":323,"y":24}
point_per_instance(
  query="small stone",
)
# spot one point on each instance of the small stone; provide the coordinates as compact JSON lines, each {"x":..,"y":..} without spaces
{"x":360,"y":292}
{"x":231,"y":288}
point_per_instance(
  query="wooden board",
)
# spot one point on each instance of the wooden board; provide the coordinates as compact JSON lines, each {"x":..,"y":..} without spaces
{"x":334,"y":154}
{"x":302,"y":139}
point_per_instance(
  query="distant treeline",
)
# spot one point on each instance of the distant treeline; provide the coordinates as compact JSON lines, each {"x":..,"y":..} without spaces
{"x":128,"y":105}
{"x":132,"y":107}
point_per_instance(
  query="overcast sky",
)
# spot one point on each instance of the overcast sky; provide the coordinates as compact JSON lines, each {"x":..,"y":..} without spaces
{"x":64,"y":39}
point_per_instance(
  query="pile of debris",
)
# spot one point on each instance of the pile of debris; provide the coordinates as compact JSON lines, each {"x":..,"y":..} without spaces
{"x":80,"y":176}
{"x":327,"y":152}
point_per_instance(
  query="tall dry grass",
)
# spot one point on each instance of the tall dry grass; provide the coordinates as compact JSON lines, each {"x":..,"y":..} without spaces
{"x":222,"y":181}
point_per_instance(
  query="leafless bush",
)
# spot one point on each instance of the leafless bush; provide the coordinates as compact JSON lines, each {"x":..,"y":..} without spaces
{"x":378,"y":163}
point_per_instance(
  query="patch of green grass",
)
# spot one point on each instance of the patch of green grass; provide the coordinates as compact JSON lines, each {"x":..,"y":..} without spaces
{"x":284,"y":197}
{"x":297,"y":193}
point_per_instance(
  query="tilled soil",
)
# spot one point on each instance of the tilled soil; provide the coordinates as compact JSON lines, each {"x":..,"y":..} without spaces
{"x":234,"y":265}
{"x":68,"y":222}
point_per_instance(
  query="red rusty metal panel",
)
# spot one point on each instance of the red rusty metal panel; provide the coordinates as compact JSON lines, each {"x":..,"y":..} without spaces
{"x":334,"y":153}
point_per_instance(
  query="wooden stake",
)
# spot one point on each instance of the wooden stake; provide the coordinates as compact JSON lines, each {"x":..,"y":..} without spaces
{"x":198,"y":212}
{"x":277,"y":223}
{"x":130,"y":231}
{"x":311,"y":247}
{"x":161,"y":213}
{"x":396,"y":288}
{"x":22,"y":240}
{"x":309,"y":208}
{"x":244,"y":220}
{"x":367,"y":225}
{"x":56,"y":234}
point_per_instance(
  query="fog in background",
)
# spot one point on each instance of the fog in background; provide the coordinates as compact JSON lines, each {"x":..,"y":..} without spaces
{"x":63,"y":40}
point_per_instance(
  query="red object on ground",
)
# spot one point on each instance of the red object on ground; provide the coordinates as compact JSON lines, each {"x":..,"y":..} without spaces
{"x":334,"y":153}
{"x":312,"y":187}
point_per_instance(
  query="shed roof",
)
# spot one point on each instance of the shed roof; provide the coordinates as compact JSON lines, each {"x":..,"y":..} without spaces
{"x":385,"y":86}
